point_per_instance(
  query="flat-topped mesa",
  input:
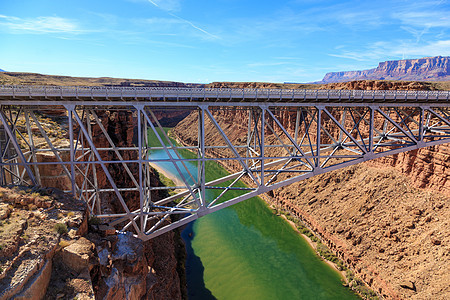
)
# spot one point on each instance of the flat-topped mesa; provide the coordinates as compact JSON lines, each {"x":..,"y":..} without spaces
{"x":428,"y":68}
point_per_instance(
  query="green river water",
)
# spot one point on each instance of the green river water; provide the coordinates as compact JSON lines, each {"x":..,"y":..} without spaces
{"x":248,"y":252}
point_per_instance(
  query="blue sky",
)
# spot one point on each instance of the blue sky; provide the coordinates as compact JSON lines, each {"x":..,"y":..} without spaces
{"x":217,"y":40}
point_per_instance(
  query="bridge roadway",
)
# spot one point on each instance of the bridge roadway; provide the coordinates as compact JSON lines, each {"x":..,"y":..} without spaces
{"x":80,"y":94}
{"x":276,"y":137}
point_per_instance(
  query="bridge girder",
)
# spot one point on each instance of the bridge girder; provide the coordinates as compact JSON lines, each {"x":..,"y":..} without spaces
{"x":266,"y":145}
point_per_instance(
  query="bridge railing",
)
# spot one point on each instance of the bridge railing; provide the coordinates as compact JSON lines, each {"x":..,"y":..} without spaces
{"x":218,"y":93}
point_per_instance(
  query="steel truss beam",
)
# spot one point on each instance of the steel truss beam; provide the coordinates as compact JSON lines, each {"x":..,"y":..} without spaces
{"x":267,"y":146}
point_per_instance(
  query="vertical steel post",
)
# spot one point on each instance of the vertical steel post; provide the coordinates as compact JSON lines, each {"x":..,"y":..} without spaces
{"x":249,"y":136}
{"x":422,"y":111}
{"x":33,"y":149}
{"x":139,"y":109}
{"x":297,"y":124}
{"x":202,"y":179}
{"x":70,"y":109}
{"x":318,"y":138}
{"x":371,"y":128}
{"x":262,"y":152}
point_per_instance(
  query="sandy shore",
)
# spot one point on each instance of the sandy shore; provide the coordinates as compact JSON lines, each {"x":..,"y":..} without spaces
{"x":171,"y":176}
{"x":313,"y":245}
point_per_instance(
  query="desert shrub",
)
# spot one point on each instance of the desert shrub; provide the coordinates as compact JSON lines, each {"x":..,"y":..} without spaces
{"x":94,"y":221}
{"x":326,"y":253}
{"x":365,"y":292}
{"x":350,"y":276}
{"x":70,"y":214}
{"x":340,"y":266}
{"x":35,"y":195}
{"x":64,"y":243}
{"x":61,"y":228}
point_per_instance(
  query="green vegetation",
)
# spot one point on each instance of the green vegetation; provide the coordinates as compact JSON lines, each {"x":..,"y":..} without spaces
{"x":64,"y":243}
{"x":25,"y":237}
{"x":61,"y":228}
{"x":93,"y":220}
{"x":167,"y":182}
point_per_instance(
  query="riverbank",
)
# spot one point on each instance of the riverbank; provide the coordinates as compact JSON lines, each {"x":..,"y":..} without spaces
{"x":249,"y":243}
{"x":167,"y":174}
{"x":311,"y":243}
{"x":314,"y":246}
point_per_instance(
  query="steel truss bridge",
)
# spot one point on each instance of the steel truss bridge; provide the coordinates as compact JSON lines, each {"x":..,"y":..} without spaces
{"x":269,"y":138}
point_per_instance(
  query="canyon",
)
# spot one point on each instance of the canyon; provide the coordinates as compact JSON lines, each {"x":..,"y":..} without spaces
{"x":435,"y":68}
{"x":386,"y":219}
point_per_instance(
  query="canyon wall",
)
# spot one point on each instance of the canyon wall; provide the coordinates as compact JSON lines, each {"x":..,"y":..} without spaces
{"x":428,"y":68}
{"x":387,"y":218}
{"x":156,"y":266}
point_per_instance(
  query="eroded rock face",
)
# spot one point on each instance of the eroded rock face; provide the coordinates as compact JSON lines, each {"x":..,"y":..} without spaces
{"x":29,"y":238}
{"x":156,"y":262}
{"x":123,"y":267}
{"x":427,"y":68}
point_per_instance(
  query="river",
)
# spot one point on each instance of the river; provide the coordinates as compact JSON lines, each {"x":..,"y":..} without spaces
{"x":248,"y":252}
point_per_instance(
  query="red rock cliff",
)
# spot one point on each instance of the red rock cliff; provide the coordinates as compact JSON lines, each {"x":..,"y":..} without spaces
{"x":427,"y":68}
{"x":156,"y":265}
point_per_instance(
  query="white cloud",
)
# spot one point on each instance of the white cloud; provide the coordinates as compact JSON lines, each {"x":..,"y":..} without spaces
{"x":39,"y":25}
{"x":397,"y":49}
{"x":435,"y":48}
{"x":169,"y":5}
{"x":438,"y":18}
{"x":175,"y":5}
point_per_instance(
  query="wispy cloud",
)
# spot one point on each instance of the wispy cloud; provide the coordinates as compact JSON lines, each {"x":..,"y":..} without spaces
{"x":169,"y":5}
{"x":40,"y":25}
{"x":440,"y":18}
{"x":267,"y":64}
{"x":435,"y":48}
{"x":396,"y":49}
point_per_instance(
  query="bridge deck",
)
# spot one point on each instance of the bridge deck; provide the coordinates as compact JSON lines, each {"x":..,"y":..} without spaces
{"x":120,"y":95}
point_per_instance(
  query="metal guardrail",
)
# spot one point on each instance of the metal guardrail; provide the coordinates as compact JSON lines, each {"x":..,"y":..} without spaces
{"x":222,"y":94}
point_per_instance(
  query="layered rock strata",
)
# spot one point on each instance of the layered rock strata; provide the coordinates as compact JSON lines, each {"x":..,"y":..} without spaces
{"x":30,"y":229}
{"x":427,"y":68}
